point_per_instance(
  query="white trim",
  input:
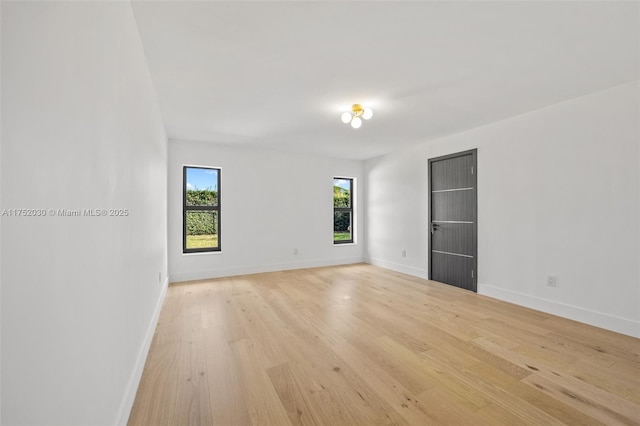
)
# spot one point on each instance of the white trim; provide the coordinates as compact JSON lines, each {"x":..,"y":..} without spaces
{"x":409,"y":270}
{"x":609,"y":322}
{"x":247,"y":270}
{"x":201,"y":167}
{"x":136,"y":374}
{"x":200,"y":253}
{"x":354,"y":209}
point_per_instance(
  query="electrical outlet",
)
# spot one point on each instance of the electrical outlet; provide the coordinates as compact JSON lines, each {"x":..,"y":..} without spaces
{"x":552,"y":281}
{"x":404,"y":253}
{"x":295,"y":251}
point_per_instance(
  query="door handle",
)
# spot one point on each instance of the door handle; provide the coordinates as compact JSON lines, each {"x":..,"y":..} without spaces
{"x":434,"y":227}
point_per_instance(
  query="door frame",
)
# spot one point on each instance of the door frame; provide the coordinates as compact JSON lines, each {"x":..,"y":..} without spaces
{"x":474,"y":156}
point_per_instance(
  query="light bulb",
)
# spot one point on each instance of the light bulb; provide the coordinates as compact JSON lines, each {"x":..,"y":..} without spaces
{"x":367,"y":114}
{"x":356,"y":122}
{"x":345,"y":117}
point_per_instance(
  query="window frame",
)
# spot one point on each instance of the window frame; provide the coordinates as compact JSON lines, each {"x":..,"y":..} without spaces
{"x":186,"y":208}
{"x":349,"y":209}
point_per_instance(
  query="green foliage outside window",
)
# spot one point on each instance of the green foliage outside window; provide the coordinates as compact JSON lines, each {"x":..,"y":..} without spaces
{"x":201,"y":222}
{"x":341,"y":220}
{"x":341,"y":197}
{"x":202,"y":197}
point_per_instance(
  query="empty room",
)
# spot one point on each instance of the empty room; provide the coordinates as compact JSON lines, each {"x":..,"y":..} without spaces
{"x":319,"y":213}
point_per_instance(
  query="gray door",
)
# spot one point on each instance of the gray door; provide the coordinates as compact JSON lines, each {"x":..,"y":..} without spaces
{"x":453,"y":224}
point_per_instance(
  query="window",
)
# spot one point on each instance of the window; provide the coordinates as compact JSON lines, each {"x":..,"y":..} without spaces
{"x":201,"y":209}
{"x":342,"y":210}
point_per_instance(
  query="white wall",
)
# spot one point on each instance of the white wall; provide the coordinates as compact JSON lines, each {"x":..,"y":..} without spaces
{"x":0,"y":223}
{"x":558,"y":194}
{"x":271,"y":203}
{"x":80,"y":129}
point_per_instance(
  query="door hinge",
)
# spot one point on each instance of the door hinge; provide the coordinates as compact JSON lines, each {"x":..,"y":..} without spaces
{"x":472,"y":273}
{"x":471,"y":169}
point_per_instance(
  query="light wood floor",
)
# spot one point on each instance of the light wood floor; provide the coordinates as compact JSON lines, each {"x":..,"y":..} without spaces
{"x":358,"y":344}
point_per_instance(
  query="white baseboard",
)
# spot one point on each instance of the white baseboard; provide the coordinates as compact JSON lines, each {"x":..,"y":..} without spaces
{"x":598,"y":319}
{"x":409,"y":270}
{"x":136,"y":374}
{"x":576,"y":313}
{"x":247,"y":270}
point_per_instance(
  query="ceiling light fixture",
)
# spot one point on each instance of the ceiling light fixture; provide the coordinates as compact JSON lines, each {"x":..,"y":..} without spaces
{"x":354,"y":117}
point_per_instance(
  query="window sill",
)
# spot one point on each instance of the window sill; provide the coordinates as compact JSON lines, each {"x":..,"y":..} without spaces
{"x":202,"y":253}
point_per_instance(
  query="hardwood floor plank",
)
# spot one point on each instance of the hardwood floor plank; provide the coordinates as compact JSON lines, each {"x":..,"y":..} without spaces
{"x":265,"y":407}
{"x":178,"y":368}
{"x":443,"y":410}
{"x":391,"y":419}
{"x":400,"y":398}
{"x":399,"y":362}
{"x":625,"y":386}
{"x":227,"y":398}
{"x":264,"y":330}
{"x":319,"y":363}
{"x":477,"y":352}
{"x":361,"y":345}
{"x":495,"y":378}
{"x":583,"y":404}
{"x":295,"y":397}
{"x":571,"y":390}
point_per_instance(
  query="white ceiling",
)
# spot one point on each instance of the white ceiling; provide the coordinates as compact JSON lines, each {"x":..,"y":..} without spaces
{"x":277,"y":75}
